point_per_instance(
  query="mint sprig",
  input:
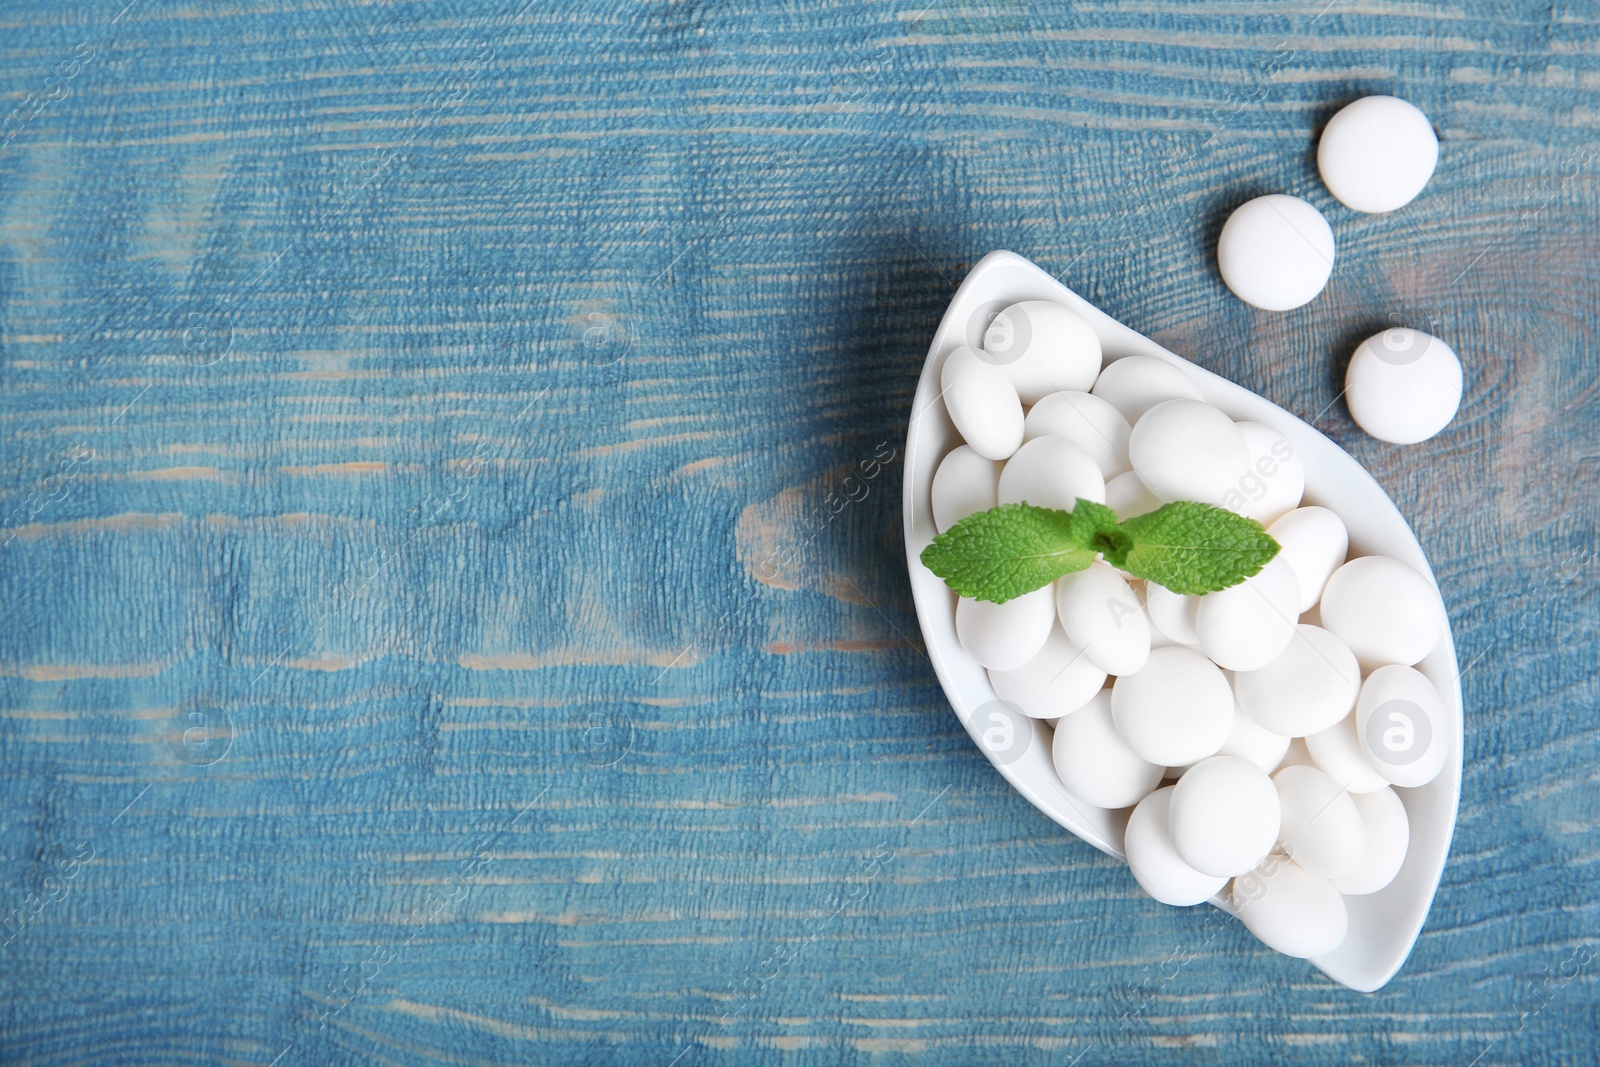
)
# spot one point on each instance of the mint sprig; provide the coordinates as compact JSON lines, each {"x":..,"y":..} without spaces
{"x":1009,"y":550}
{"x":1013,"y":549}
{"x":1194,"y":548}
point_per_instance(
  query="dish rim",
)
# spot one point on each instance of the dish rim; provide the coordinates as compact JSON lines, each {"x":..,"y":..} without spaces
{"x":1364,"y":963}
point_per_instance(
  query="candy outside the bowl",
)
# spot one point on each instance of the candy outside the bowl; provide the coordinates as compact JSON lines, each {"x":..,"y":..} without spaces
{"x":1276,"y":252}
{"x":1377,"y":153}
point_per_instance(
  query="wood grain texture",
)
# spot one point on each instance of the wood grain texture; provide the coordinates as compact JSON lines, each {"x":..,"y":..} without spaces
{"x":454,"y":604}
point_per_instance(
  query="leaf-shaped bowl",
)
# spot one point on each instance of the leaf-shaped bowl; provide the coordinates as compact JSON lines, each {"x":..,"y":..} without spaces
{"x":1383,"y":925}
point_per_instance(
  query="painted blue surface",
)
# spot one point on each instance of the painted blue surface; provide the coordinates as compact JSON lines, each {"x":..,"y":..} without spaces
{"x":454,"y":604}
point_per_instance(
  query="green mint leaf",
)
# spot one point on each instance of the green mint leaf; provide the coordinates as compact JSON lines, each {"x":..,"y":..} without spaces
{"x":1096,"y":526}
{"x":1001,"y":553}
{"x":1195,"y":548}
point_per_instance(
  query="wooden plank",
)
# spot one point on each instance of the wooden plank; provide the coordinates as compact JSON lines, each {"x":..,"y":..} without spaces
{"x":428,"y":636}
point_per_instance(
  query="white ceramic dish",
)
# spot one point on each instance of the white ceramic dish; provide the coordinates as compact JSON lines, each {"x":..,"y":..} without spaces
{"x":1383,"y":925}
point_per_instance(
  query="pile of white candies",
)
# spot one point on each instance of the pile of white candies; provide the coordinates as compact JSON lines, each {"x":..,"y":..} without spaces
{"x":1257,"y":732}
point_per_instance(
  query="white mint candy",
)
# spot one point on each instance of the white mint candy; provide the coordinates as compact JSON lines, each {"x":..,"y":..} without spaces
{"x":1174,"y":614}
{"x":1273,"y":480}
{"x":1187,"y":450}
{"x":1051,"y":472}
{"x":1388,"y":837}
{"x":1043,"y":347}
{"x":1057,"y":681}
{"x":1248,"y":740}
{"x":982,"y":403}
{"x":1322,"y":830}
{"x":1181,"y":608}
{"x":1314,"y":542}
{"x":1095,"y":764}
{"x":1310,"y":686}
{"x":965,"y":484}
{"x":1155,"y":863}
{"x":1403,"y":385}
{"x":1128,"y":496}
{"x":1102,"y":616}
{"x":1377,"y":153}
{"x":1276,"y":252}
{"x":1290,"y":909}
{"x":1224,"y":817}
{"x":1175,"y":710}
{"x":1338,"y":751}
{"x":1135,"y":384}
{"x":1005,"y":636}
{"x":1400,"y":724}
{"x":1385,"y":611}
{"x":1086,"y":420}
{"x":1247,"y":626}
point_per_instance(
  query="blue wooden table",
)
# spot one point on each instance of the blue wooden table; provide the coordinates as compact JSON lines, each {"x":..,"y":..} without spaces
{"x":454,"y":608}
